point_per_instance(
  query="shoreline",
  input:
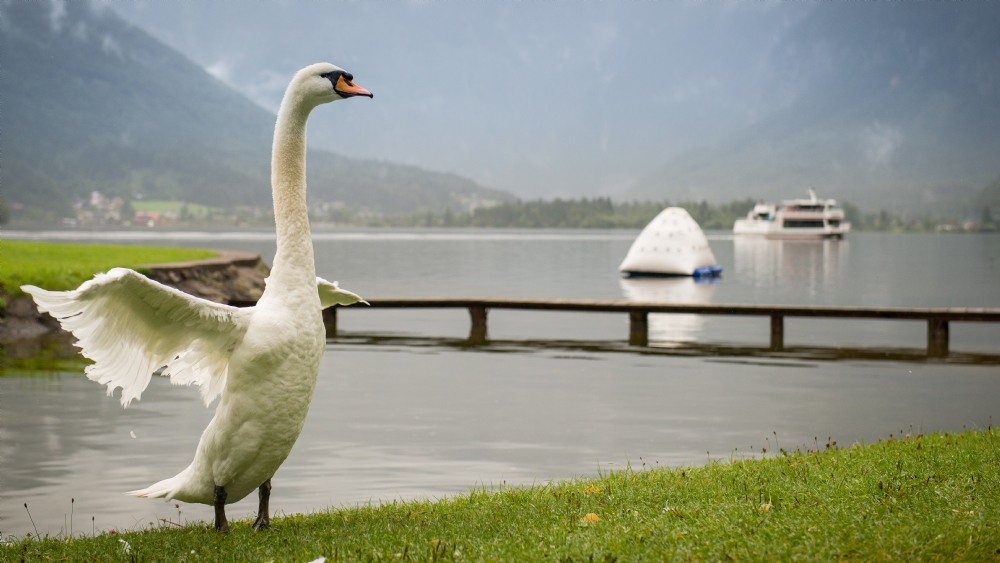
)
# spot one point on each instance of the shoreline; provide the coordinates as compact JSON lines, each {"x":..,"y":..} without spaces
{"x":906,"y":498}
{"x":31,"y":230}
{"x":228,"y":277}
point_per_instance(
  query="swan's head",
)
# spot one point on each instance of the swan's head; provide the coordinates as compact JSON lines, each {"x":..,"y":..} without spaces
{"x":323,"y":82}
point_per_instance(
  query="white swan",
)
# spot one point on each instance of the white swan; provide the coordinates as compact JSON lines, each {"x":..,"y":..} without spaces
{"x":263,"y":360}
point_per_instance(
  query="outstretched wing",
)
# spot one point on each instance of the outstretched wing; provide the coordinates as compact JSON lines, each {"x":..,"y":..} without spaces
{"x":131,"y":326}
{"x":330,"y":294}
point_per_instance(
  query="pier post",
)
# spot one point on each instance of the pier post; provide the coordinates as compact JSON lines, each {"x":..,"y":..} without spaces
{"x":777,"y":332}
{"x":638,"y":328}
{"x":937,"y":338}
{"x":330,"y":321}
{"x":477,"y":333}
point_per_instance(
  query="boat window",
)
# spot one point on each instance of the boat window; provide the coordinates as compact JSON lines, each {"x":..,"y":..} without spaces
{"x":807,"y":208}
{"x":801,"y":224}
{"x":834,"y":222}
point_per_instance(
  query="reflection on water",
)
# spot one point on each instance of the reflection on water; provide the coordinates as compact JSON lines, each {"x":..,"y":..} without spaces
{"x":810,"y":265}
{"x":670,"y":329}
{"x":715,"y":352}
{"x":32,"y":356}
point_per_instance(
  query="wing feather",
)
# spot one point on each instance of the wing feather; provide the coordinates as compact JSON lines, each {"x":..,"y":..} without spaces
{"x":330,"y":294}
{"x":131,"y":326}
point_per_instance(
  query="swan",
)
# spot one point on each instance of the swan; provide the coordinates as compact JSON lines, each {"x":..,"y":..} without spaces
{"x":262,"y":360}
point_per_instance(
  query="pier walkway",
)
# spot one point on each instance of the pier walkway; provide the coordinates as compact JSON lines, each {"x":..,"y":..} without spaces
{"x":937,"y":319}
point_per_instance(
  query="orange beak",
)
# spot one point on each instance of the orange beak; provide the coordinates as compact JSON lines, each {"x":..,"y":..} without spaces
{"x":347,"y":89}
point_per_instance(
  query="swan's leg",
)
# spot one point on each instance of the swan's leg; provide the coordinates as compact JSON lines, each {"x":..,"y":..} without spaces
{"x":264,"y":493}
{"x":219,"y":498}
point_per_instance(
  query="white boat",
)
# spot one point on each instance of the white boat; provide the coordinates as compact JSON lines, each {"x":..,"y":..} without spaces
{"x":672,"y":244}
{"x":811,"y":218}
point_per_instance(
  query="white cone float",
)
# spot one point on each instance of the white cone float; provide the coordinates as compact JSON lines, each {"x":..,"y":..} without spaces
{"x":672,"y":244}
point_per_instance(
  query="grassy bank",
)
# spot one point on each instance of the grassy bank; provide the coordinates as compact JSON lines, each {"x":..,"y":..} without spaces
{"x":59,"y":266}
{"x":924,"y":498}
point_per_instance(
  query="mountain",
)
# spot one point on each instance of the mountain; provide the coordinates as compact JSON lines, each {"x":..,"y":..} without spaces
{"x":544,"y":99}
{"x":895,"y":105}
{"x":90,"y":102}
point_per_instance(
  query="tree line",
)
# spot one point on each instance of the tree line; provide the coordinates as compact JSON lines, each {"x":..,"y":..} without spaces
{"x":604,"y":213}
{"x":585,"y":213}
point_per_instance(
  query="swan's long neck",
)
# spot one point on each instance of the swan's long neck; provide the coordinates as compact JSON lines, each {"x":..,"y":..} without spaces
{"x":293,"y":262}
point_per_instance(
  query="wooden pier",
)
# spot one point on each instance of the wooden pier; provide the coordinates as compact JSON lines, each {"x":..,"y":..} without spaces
{"x":937,"y":319}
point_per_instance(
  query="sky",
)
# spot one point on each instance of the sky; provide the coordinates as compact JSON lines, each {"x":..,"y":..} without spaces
{"x":544,"y":99}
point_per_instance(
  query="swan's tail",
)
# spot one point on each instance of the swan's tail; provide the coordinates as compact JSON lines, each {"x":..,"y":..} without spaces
{"x":167,"y":488}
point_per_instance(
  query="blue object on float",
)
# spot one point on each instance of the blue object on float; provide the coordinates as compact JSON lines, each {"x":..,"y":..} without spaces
{"x":712,"y":271}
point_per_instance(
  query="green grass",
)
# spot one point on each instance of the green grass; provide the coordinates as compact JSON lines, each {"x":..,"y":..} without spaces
{"x":927,"y":498}
{"x":65,"y":266}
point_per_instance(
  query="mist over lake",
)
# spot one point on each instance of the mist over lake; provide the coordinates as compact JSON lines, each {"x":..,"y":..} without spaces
{"x":890,"y":105}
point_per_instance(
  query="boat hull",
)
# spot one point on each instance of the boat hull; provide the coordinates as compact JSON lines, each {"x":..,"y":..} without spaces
{"x":773,"y":229}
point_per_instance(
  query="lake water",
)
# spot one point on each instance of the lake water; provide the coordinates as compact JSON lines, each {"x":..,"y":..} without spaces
{"x":403,"y":408}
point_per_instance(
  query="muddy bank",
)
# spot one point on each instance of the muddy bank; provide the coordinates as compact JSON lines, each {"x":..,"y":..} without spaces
{"x":231,"y":277}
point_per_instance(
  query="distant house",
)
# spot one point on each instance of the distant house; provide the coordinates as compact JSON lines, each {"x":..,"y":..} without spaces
{"x":148,"y":218}
{"x":96,"y":210}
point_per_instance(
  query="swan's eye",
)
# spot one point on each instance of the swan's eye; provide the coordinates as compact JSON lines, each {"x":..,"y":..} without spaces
{"x":335,"y":75}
